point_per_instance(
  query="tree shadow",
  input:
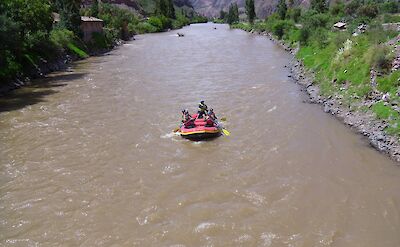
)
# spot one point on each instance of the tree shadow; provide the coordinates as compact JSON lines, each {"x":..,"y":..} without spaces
{"x":36,"y":92}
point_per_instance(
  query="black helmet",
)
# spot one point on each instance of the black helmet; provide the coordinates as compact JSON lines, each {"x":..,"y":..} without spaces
{"x":211,"y":109}
{"x":202,"y":102}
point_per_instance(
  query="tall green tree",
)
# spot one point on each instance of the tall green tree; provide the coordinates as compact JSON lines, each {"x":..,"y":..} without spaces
{"x":250,"y":11}
{"x":69,"y":14}
{"x":94,"y":10}
{"x":233,"y":14}
{"x":319,"y":5}
{"x":165,"y":8}
{"x":282,"y":9}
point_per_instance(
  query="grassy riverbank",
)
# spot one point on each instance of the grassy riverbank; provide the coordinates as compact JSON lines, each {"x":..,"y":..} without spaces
{"x":32,"y":44}
{"x":354,"y":66}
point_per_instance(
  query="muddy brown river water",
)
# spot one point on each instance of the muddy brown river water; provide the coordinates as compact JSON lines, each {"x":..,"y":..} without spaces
{"x":88,"y":158}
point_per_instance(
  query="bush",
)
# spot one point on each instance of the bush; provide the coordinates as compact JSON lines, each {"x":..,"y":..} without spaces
{"x":369,"y":10}
{"x":281,"y":27}
{"x":390,"y":7}
{"x":389,"y":83}
{"x":295,"y":14}
{"x":304,"y":35}
{"x":337,"y":9}
{"x":319,"y":37}
{"x":160,"y":22}
{"x":61,"y":37}
{"x":99,"y":41}
{"x":380,"y":57}
{"x":145,"y":27}
{"x":351,"y":8}
{"x":313,"y":20}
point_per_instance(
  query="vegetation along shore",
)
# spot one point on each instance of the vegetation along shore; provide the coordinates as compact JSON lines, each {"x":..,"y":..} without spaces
{"x":40,"y":36}
{"x":347,"y":57}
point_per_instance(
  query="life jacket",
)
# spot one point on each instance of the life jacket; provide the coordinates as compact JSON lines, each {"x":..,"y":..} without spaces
{"x":202,"y":107}
{"x":212,"y":115}
{"x":189,"y":123}
{"x":209,"y":122}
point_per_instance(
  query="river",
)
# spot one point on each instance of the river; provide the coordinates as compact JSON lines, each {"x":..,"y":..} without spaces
{"x":88,"y":157}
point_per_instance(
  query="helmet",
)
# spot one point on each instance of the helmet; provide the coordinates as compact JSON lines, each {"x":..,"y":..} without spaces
{"x":211,"y":109}
{"x":202,"y":102}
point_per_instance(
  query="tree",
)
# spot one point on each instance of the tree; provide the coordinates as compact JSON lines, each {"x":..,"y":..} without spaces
{"x":165,"y":8}
{"x":251,"y":14}
{"x":69,"y":14}
{"x":94,"y":10}
{"x":282,"y":9}
{"x":233,"y":14}
{"x":319,"y":5}
{"x":222,"y":14}
{"x":171,"y":10}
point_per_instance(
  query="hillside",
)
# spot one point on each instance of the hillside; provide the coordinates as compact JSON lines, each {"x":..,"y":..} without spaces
{"x":142,"y":7}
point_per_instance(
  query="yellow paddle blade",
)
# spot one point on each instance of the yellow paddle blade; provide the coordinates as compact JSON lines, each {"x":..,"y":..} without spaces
{"x":176,"y":130}
{"x":223,"y":119}
{"x":226,"y":132}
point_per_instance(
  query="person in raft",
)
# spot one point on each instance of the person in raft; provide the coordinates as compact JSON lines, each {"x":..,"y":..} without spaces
{"x":203,"y":109}
{"x":188,"y":121}
{"x":209,"y":121}
{"x":212,"y":115}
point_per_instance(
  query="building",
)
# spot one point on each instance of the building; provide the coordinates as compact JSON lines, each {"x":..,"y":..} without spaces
{"x":90,"y":25}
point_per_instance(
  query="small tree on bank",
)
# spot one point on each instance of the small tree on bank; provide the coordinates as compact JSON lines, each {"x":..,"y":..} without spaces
{"x":282,"y":9}
{"x":319,"y":5}
{"x":165,"y":8}
{"x":233,"y":14}
{"x":94,"y":10}
{"x":69,"y":14}
{"x":250,"y":11}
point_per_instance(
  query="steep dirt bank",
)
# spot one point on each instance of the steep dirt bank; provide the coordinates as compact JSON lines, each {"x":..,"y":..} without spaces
{"x":364,"y":123}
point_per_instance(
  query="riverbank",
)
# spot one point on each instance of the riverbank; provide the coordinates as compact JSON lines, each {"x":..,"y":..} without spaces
{"x":45,"y":67}
{"x":364,"y":122}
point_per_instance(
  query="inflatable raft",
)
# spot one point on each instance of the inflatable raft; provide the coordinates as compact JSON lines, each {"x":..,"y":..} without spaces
{"x":200,"y":131}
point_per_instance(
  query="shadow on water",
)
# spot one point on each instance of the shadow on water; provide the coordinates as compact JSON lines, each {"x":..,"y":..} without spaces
{"x":36,"y":92}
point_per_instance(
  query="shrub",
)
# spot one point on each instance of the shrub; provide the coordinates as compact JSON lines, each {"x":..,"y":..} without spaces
{"x":304,"y":36}
{"x":61,"y":37}
{"x":145,"y":27}
{"x":281,"y":27}
{"x":351,"y":8}
{"x":160,"y":22}
{"x":313,"y":20}
{"x":389,"y":82}
{"x":295,"y":14}
{"x":368,"y":10}
{"x":319,"y":37}
{"x":390,"y":7}
{"x":340,"y":38}
{"x":337,"y":9}
{"x":380,"y":57}
{"x":99,"y":41}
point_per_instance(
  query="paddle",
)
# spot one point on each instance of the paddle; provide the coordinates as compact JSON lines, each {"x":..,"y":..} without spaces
{"x":223,"y":119}
{"x":226,"y":132}
{"x":176,"y":130}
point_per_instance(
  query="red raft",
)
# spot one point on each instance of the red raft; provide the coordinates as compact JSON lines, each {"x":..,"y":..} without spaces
{"x":200,"y":131}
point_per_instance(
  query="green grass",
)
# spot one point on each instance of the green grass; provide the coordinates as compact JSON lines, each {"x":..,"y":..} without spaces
{"x":77,"y":51}
{"x":389,"y":83}
{"x":385,"y":112}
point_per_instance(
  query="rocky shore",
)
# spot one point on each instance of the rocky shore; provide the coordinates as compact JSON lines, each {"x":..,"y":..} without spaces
{"x":364,"y":123}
